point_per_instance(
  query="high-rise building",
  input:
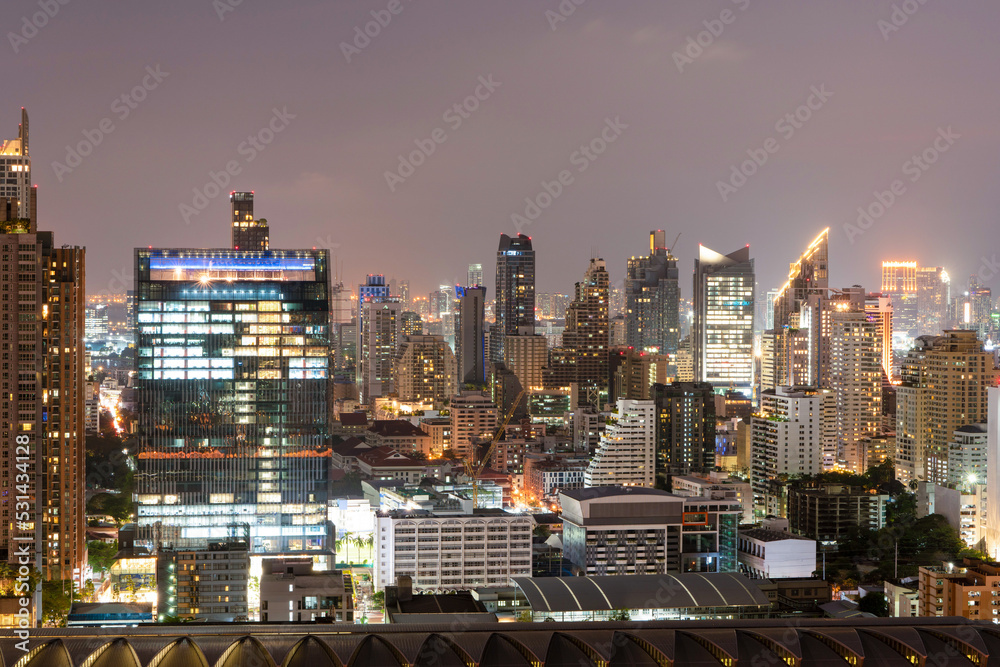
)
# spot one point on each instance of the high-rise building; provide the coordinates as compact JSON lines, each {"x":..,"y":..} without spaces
{"x":425,"y":371}
{"x":631,"y":374}
{"x":514,"y":307}
{"x":944,"y":387}
{"x":475,"y":275}
{"x":856,"y":379}
{"x":933,"y":296}
{"x":470,"y":337}
{"x":248,"y":234}
{"x":232,"y":392}
{"x":583,"y":357}
{"x":411,"y":323}
{"x":626,"y":454}
{"x":685,"y":428}
{"x":527,"y":356}
{"x":42,"y":384}
{"x":795,"y":433}
{"x":15,"y":163}
{"x":878,"y":307}
{"x":652,"y":299}
{"x":722,"y":335}
{"x":379,"y":336}
{"x":993,"y":471}
{"x":473,"y":416}
{"x":808,"y":275}
{"x":980,"y":310}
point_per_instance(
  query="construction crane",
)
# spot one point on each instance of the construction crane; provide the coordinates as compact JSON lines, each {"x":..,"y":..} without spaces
{"x":474,"y":469}
{"x":670,"y":250}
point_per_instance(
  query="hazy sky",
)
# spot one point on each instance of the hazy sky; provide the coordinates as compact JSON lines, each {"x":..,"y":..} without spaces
{"x":887,"y":80}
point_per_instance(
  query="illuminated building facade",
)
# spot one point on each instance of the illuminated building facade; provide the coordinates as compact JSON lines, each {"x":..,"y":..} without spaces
{"x":232,"y":388}
{"x":722,"y":336}
{"x":15,"y":167}
{"x":626,"y":453}
{"x":379,"y":336}
{"x":920,"y":297}
{"x":470,"y":338}
{"x":425,"y":371}
{"x":583,"y":357}
{"x":878,"y":307}
{"x":652,"y":299}
{"x":856,"y":380}
{"x":42,"y":389}
{"x":944,"y":387}
{"x":685,"y":428}
{"x":514,"y":308}
{"x":248,"y":234}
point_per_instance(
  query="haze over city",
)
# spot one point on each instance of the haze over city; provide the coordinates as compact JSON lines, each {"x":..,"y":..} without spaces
{"x":322,"y":181}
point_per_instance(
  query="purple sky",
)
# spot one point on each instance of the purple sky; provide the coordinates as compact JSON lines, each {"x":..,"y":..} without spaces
{"x":321,"y":181}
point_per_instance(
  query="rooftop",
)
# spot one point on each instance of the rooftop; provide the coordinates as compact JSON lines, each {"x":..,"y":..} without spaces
{"x":768,"y":535}
{"x":640,"y":591}
{"x":594,"y":492}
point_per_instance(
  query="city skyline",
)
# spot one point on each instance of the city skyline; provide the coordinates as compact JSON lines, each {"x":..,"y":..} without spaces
{"x":815,"y":178}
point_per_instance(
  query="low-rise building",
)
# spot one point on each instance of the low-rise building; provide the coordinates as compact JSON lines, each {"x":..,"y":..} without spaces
{"x":439,"y":430}
{"x":452,"y":553}
{"x":717,"y":486}
{"x":387,"y":463}
{"x":400,"y":435}
{"x":545,"y":478}
{"x":903,"y":598}
{"x":205,"y":584}
{"x":635,"y":530}
{"x":643,"y":597}
{"x":828,"y":512}
{"x":290,"y":590}
{"x":971,"y":590}
{"x":773,"y":554}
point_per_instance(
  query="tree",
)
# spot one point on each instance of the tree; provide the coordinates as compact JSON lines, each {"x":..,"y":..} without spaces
{"x":57,"y":596}
{"x":874,"y":603}
{"x":542,"y":531}
{"x":101,"y":555}
{"x":378,"y":600}
{"x":620,"y":615}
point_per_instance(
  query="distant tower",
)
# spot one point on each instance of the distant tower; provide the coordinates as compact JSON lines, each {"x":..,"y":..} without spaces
{"x":248,"y":234}
{"x":515,"y":295}
{"x":475,"y":276}
{"x":652,"y":299}
{"x":722,"y":336}
{"x":15,"y":187}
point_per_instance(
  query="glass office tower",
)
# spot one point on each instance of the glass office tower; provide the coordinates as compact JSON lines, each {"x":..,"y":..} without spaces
{"x":233,"y":354}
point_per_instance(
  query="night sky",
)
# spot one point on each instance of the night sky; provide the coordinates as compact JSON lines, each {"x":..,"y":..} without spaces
{"x":885,"y":81}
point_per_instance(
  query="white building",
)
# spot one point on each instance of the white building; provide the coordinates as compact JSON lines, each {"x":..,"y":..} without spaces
{"x":626,"y":453}
{"x":378,"y":342}
{"x":452,"y":553}
{"x":773,"y":554}
{"x":967,"y":455}
{"x":795,"y":433}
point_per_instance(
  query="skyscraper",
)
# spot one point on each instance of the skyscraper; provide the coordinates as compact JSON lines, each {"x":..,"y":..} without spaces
{"x":685,"y":428}
{"x":722,"y":336}
{"x":515,"y":296}
{"x":933,"y":296}
{"x":379,"y":336}
{"x":652,"y":299}
{"x":899,"y":283}
{"x":233,"y":356}
{"x":944,"y":383}
{"x":879,"y":310}
{"x":810,"y":274}
{"x":15,"y":163}
{"x":583,"y":356}
{"x":475,"y":275}
{"x":856,"y":380}
{"x":470,"y":339}
{"x":248,"y":233}
{"x":42,"y":382}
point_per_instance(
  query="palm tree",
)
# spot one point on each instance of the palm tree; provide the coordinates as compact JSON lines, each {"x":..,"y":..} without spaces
{"x":346,"y":539}
{"x":359,"y":542}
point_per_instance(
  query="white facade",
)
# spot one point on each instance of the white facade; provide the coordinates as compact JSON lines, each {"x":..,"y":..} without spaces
{"x":911,"y":436}
{"x":452,"y":553}
{"x":378,"y":342}
{"x":795,"y":433}
{"x":967,"y":456}
{"x":772,"y":554}
{"x":716,"y":486}
{"x":625,"y":455}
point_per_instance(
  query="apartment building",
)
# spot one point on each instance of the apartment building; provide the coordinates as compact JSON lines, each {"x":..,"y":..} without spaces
{"x":452,"y":553}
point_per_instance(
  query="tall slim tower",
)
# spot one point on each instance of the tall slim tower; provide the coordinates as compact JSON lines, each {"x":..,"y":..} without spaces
{"x":652,"y":299}
{"x":42,"y":378}
{"x":248,"y":234}
{"x":475,"y":277}
{"x":583,"y":356}
{"x":515,"y":296}
{"x":722,"y":335}
{"x":470,"y":339}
